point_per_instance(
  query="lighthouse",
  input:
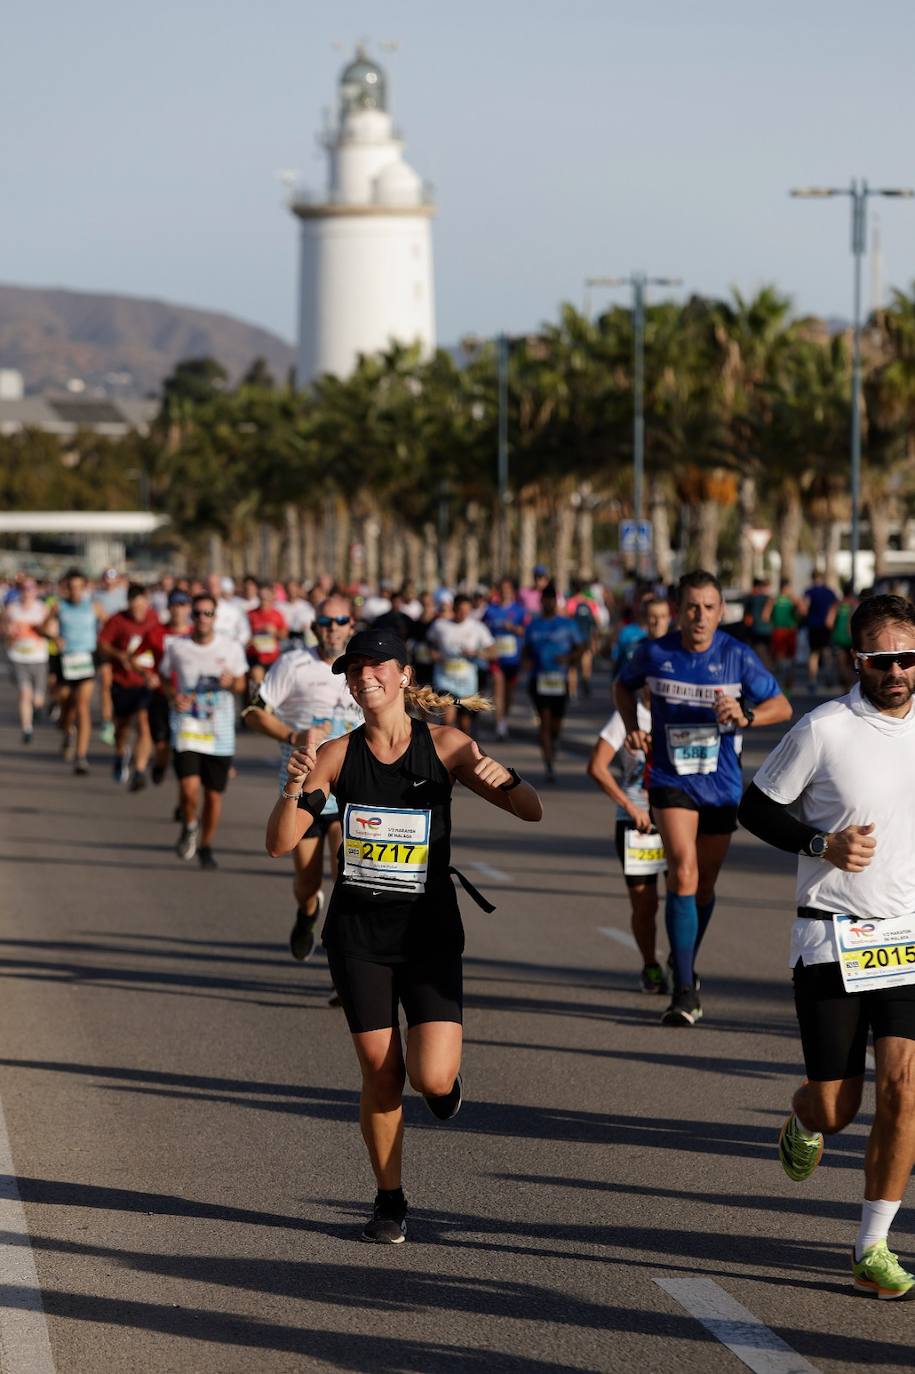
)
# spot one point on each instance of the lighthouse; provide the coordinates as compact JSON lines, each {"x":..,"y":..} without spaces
{"x":366,"y":242}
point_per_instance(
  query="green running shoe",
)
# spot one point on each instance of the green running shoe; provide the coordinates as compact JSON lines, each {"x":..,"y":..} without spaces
{"x":799,"y":1155}
{"x":879,"y":1272}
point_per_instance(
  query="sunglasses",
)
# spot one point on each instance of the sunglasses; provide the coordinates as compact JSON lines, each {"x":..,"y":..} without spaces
{"x":206,"y":615}
{"x":325,"y":620}
{"x":905,"y":658}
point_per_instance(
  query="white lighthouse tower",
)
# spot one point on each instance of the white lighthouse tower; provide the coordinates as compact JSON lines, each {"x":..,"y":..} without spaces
{"x":366,"y":263}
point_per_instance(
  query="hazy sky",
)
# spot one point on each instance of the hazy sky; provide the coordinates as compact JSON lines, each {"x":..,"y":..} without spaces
{"x":139,"y":144}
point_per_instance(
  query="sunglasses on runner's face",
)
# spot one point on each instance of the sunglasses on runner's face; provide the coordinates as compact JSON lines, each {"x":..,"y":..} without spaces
{"x":905,"y":658}
{"x":325,"y":620}
{"x":207,"y":615}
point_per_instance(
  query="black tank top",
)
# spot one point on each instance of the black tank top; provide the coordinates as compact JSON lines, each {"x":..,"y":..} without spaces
{"x":394,"y":899}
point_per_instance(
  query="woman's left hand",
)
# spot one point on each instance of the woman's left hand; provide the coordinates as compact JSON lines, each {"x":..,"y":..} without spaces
{"x":488,"y":770}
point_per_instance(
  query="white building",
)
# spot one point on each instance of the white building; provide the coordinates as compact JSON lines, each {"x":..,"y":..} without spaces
{"x":366,"y":257}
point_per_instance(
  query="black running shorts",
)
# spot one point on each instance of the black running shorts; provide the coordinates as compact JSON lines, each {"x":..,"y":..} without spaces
{"x":634,"y":880}
{"x":127,"y":701}
{"x":427,"y":990}
{"x":713,"y":820}
{"x":159,"y":724}
{"x":835,"y":1023}
{"x":321,"y":824}
{"x":555,"y":705}
{"x":211,"y":769}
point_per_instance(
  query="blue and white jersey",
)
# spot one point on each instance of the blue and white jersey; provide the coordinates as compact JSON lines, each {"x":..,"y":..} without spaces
{"x":78,"y":625}
{"x":688,"y":750}
{"x":195,"y":670}
{"x":506,"y":625}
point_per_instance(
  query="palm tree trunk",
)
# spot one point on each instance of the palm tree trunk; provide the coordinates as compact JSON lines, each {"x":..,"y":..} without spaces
{"x":660,"y":523}
{"x":430,"y":556}
{"x":371,"y":531}
{"x":565,"y":526}
{"x":790,"y":521}
{"x":527,"y":554}
{"x":747,"y":512}
{"x":414,"y":550}
{"x":308,"y":536}
{"x":214,"y":553}
{"x":292,"y":544}
{"x":878,"y":517}
{"x":708,"y":527}
{"x":452,"y":563}
{"x":340,"y":563}
{"x":585,"y":533}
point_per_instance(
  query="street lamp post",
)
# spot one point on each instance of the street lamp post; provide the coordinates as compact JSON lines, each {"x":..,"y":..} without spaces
{"x":503,"y":455}
{"x":858,"y":192}
{"x":638,"y":281}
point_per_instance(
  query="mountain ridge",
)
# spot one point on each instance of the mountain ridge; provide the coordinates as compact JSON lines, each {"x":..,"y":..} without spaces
{"x":120,"y":344}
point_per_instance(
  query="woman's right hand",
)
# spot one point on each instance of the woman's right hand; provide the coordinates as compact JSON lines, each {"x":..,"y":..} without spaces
{"x":638,"y":741}
{"x":301,"y":762}
{"x":640,"y":819}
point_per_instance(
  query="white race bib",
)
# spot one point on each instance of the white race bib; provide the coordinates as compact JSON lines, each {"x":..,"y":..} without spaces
{"x":386,"y":847}
{"x":29,"y":649}
{"x":145,"y":660}
{"x":693,"y":748}
{"x":551,"y":684}
{"x":264,"y":643}
{"x":506,"y":646}
{"x":458,"y":676}
{"x":874,"y":953}
{"x":195,"y":736}
{"x":77,"y":667}
{"x":642,"y":854}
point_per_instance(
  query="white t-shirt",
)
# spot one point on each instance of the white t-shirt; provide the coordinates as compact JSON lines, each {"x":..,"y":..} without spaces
{"x":846,"y":763}
{"x":460,"y":639}
{"x":374,"y":606}
{"x":632,"y":763}
{"x":26,"y":645}
{"x":231,"y":621}
{"x":209,"y":726}
{"x":301,"y":690}
{"x":298,"y":614}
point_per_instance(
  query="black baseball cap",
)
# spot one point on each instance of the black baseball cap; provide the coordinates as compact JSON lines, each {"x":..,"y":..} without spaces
{"x":378,"y":645}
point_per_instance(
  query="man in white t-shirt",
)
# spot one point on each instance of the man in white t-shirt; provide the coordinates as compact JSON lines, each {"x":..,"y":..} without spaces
{"x":231,"y":620}
{"x":301,"y":703}
{"x":456,"y":646}
{"x":201,"y":677}
{"x":845,"y":771}
{"x":22,"y":626}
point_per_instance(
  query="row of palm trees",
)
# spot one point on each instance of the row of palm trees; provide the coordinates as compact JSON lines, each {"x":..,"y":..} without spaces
{"x":391,"y":472}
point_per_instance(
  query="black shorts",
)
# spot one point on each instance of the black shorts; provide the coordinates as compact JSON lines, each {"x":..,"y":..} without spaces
{"x":556,"y":705}
{"x":713,"y":820}
{"x":127,"y":701}
{"x":428,"y":990}
{"x":321,"y":824}
{"x":835,"y":1023}
{"x":635,"y":879}
{"x":818,"y":636}
{"x":159,"y":724}
{"x":211,"y":769}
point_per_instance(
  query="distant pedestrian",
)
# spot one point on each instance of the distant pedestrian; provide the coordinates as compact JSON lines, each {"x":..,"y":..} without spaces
{"x":818,"y":602}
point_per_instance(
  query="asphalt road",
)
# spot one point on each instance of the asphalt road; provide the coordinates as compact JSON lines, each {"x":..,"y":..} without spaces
{"x":181,"y":1105}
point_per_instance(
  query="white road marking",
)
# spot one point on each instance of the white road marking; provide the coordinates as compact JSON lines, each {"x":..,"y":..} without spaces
{"x":735,"y":1326}
{"x":24,"y":1344}
{"x":622,"y":936}
{"x":870,"y":1061}
{"x":495,"y":875}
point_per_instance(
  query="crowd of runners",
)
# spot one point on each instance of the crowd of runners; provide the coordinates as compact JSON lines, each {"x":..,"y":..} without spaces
{"x":373,"y":699}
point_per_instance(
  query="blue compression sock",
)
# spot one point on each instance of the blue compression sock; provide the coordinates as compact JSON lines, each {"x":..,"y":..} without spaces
{"x":705,"y":910}
{"x":682,"y":920}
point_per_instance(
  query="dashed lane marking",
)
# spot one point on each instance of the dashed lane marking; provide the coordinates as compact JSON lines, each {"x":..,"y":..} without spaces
{"x":735,"y":1327}
{"x":495,"y":875}
{"x":621,"y":936}
{"x":25,"y":1347}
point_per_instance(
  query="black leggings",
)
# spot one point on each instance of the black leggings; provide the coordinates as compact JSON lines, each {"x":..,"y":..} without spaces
{"x":428,"y":990}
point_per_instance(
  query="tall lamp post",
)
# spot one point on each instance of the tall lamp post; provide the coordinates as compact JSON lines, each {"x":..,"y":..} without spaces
{"x":638,"y":281}
{"x":858,"y":191}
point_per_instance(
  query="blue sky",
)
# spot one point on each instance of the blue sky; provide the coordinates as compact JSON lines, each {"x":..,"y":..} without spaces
{"x":139,"y":144}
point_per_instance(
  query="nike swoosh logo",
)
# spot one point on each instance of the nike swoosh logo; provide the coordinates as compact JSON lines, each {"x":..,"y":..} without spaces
{"x":421,"y":783}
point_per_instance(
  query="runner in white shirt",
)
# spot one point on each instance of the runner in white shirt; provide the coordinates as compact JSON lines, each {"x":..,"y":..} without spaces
{"x":231,"y":620}
{"x":638,"y":844}
{"x":27,"y":649}
{"x":455,"y":645}
{"x":846,"y":771}
{"x":201,"y":676}
{"x":301,"y":703}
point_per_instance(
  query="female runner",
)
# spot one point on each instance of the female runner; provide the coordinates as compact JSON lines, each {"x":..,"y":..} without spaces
{"x":393,"y":931}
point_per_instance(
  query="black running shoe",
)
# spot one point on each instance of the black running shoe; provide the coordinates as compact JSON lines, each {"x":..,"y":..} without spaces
{"x":137,"y":781}
{"x":158,"y":773}
{"x":205,"y":857}
{"x":81,"y":767}
{"x":685,"y":1008}
{"x":302,"y":935}
{"x":26,"y":737}
{"x":449,"y":1104}
{"x":388,"y":1222}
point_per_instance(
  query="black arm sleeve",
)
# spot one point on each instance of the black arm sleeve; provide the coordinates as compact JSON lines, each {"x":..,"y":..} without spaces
{"x":772,"y":822}
{"x":313,"y":802}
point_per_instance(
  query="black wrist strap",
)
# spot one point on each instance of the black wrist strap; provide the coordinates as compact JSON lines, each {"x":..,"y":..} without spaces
{"x":514,"y":781}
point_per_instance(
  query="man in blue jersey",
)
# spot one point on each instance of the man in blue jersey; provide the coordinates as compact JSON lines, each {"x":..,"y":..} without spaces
{"x":552,"y":644}
{"x":505,"y":620}
{"x":706,"y":688}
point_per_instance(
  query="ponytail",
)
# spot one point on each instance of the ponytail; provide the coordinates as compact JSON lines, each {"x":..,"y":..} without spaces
{"x":426,"y":699}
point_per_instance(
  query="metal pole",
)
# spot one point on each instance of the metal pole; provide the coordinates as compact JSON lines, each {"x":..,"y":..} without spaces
{"x":638,"y":393}
{"x":858,"y":244}
{"x":503,"y":454}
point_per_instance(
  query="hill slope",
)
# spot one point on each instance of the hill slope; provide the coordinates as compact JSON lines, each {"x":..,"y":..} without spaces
{"x":51,"y":335}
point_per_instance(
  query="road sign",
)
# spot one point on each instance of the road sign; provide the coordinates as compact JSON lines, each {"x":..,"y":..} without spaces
{"x":635,"y":536}
{"x":759,"y":539}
